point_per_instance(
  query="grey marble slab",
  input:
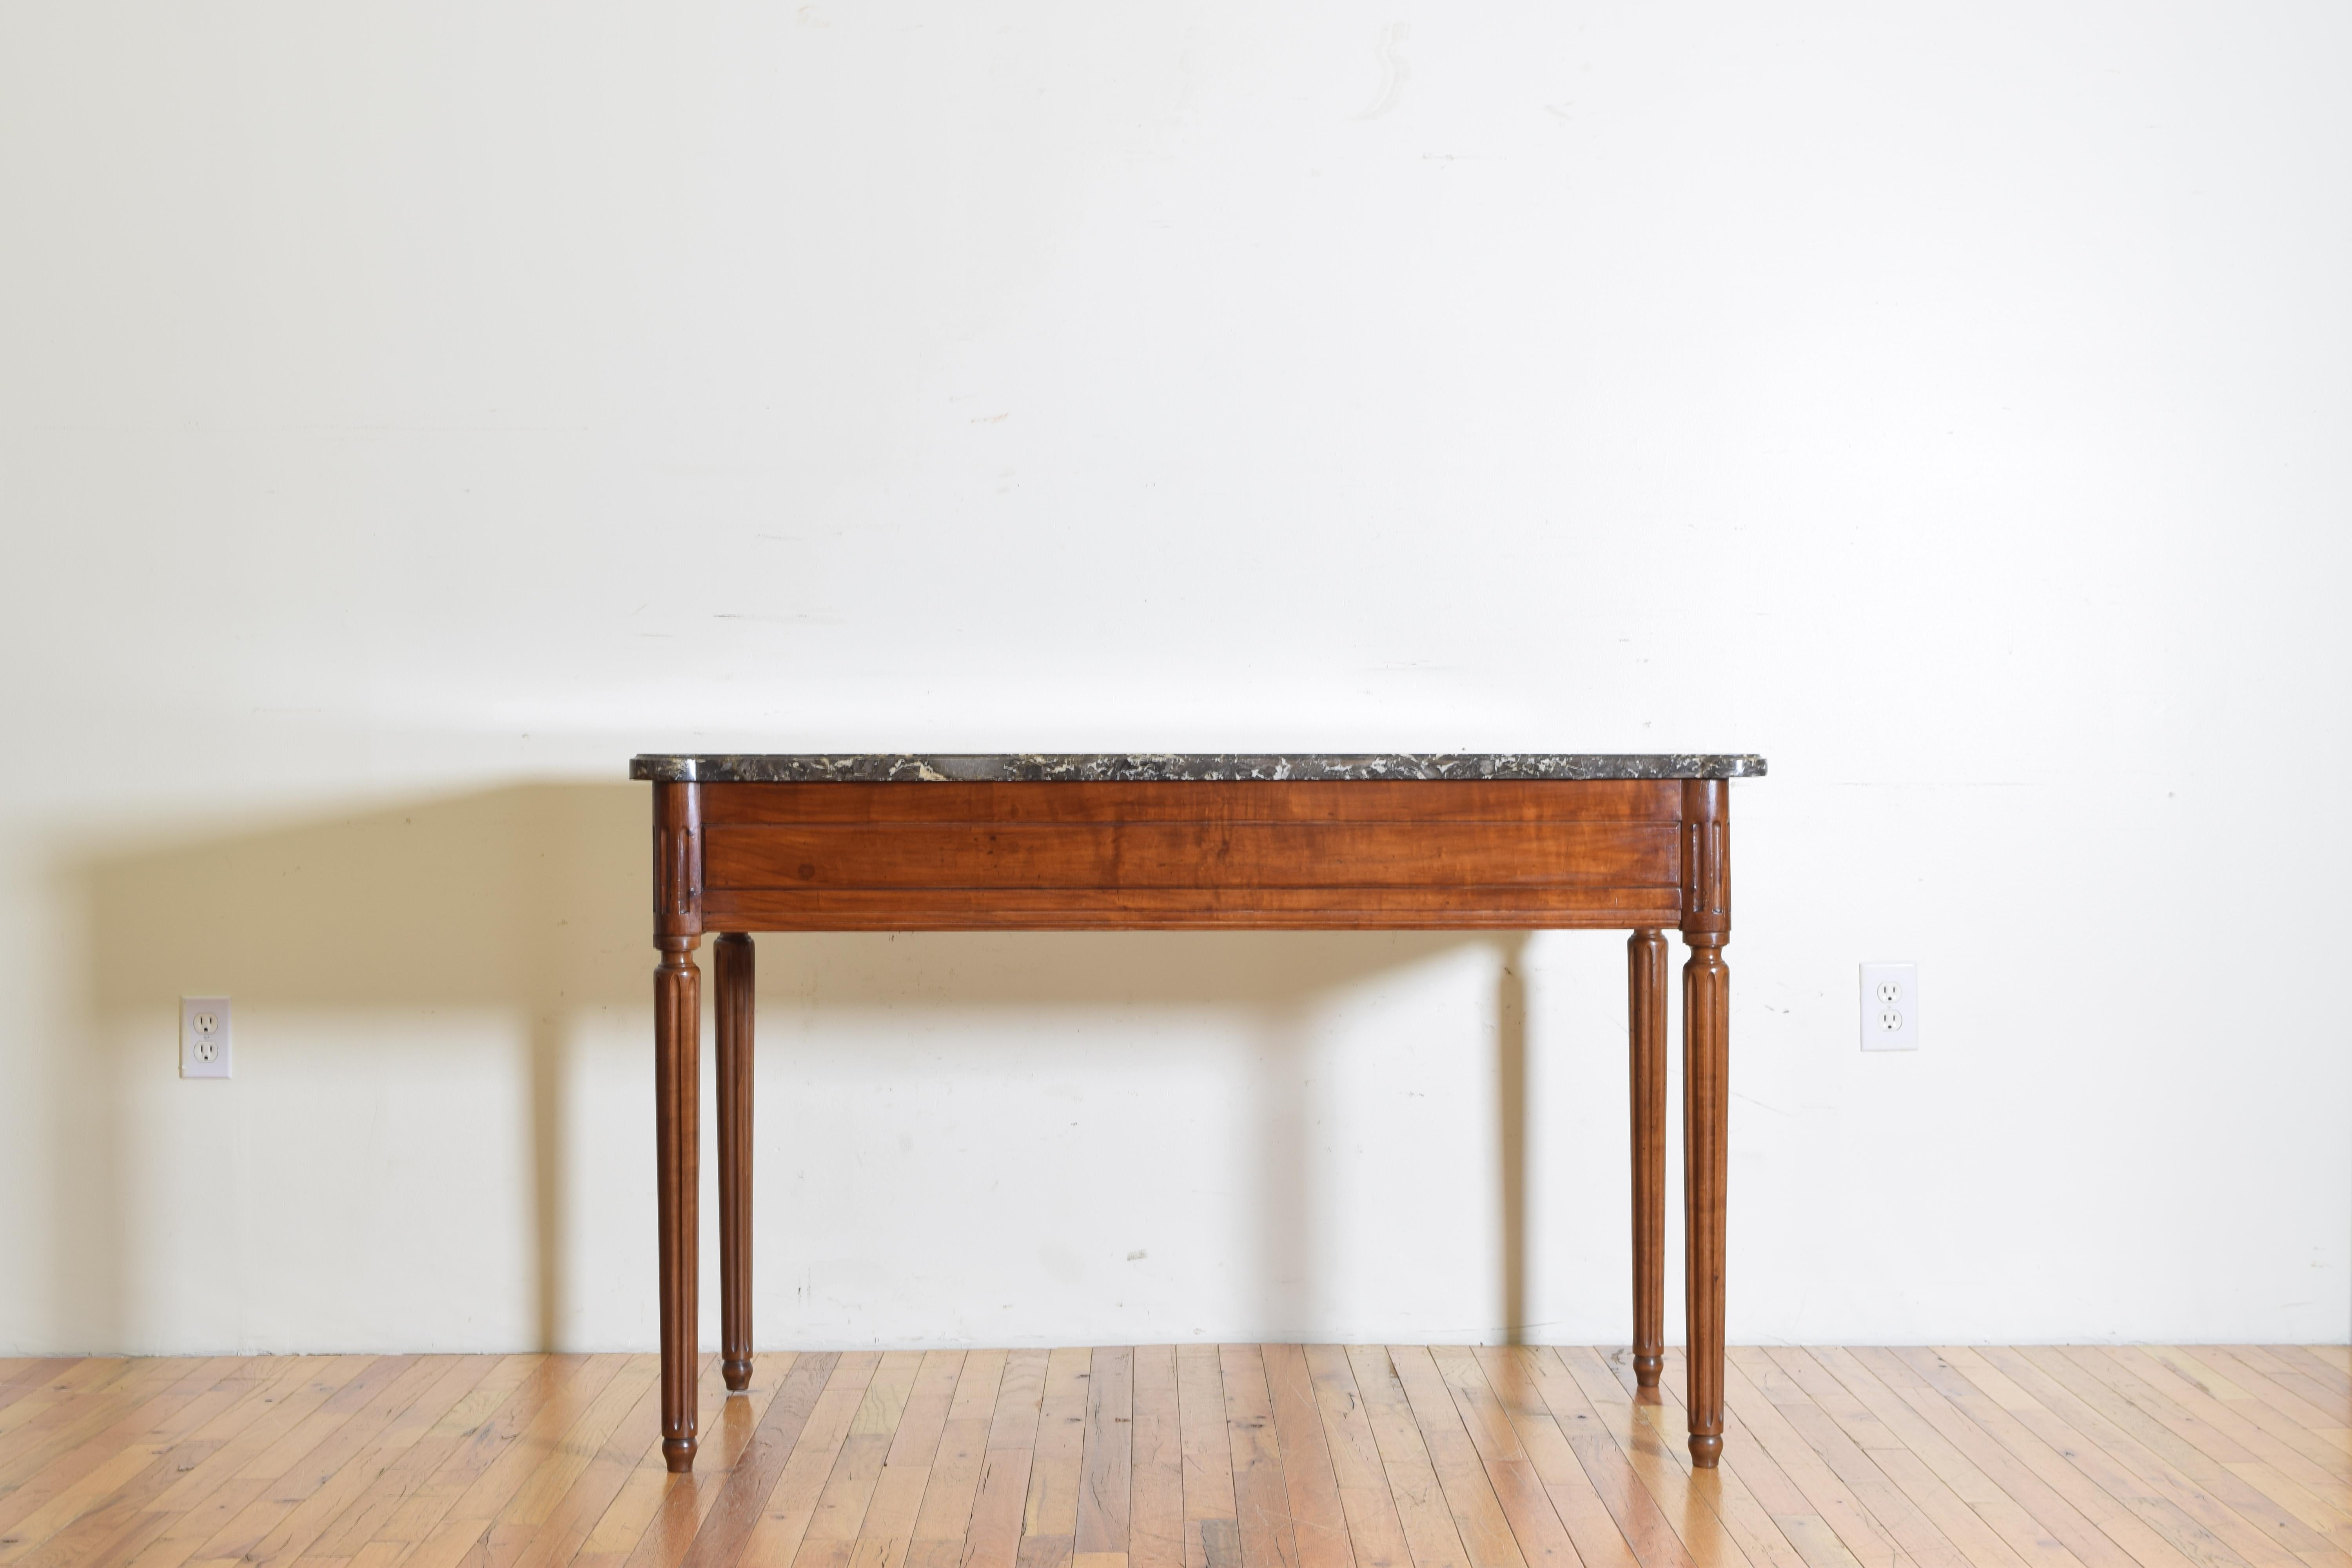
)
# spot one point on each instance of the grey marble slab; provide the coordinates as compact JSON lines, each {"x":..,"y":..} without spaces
{"x":1152,"y":768}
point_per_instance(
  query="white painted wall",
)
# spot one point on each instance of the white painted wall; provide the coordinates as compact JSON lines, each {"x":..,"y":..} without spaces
{"x":408,"y":411}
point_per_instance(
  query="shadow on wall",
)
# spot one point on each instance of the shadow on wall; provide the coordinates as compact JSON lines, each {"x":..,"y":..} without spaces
{"x":534,"y":900}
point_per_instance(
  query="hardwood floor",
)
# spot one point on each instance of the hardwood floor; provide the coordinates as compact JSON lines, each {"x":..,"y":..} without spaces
{"x":1188,"y":1457}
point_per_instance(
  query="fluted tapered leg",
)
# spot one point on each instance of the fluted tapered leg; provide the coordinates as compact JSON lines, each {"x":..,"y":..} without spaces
{"x":1707,"y":998}
{"x":1645,"y":963}
{"x":1706,"y":1100}
{"x":732,"y":967}
{"x":677,"y":1109}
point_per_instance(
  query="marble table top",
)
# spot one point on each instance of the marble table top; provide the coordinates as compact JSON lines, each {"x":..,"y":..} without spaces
{"x":1153,"y":768}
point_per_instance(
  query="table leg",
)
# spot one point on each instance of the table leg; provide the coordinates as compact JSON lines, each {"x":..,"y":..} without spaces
{"x":730,"y":965}
{"x":677,"y":1108}
{"x":1706,"y":998}
{"x":1645,"y":963}
{"x":1706,"y":1100}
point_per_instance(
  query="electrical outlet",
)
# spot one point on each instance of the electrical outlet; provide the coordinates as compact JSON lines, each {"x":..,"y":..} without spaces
{"x":1890,"y":1006}
{"x":203,"y":1037}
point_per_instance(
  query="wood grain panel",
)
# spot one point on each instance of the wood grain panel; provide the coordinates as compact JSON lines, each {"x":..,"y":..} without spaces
{"x":1581,"y":800}
{"x":1420,"y":855}
{"x":1186,"y":908}
{"x":1192,"y":854}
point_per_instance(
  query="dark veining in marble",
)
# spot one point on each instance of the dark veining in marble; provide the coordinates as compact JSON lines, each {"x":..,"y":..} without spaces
{"x":744,"y":768}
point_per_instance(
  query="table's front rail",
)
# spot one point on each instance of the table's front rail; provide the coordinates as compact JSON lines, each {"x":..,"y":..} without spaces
{"x":1416,"y":855}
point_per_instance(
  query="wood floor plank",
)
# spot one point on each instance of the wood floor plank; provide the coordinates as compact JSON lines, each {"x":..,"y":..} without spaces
{"x":461,"y":1398}
{"x":108,"y":1516}
{"x":2253,"y":1423}
{"x":888,"y":1530}
{"x":2106,"y":1493}
{"x":1212,"y":1519}
{"x":2323,"y":1516}
{"x":1513,"y":1376}
{"x":2332,"y":1382}
{"x":857,"y":1467}
{"x":647,"y":1518}
{"x":61,"y":1431}
{"x":1155,"y":1499}
{"x":119,"y":1530}
{"x":1261,"y":1491}
{"x":574,"y":1518}
{"x":952,"y":1484}
{"x":1318,"y":1520}
{"x":530,"y":1505}
{"x":1976,"y":1517}
{"x":534,"y":1443}
{"x":215,"y":1490}
{"x":67,"y":1375}
{"x":1760,"y":1425}
{"x":457,"y":1465}
{"x":20,"y":1375}
{"x":1375,"y":1536}
{"x":1744,"y":1488}
{"x":1711,"y":1511}
{"x":88,"y":1393}
{"x":2299,"y":1396}
{"x":496,"y":1378}
{"x":313,"y":1455}
{"x":1638,"y":1463}
{"x":1049,"y":1516}
{"x":1478,"y":1516}
{"x":2113,"y":1459}
{"x":1537,"y":1528}
{"x":318,"y":1486}
{"x":1191,"y":1456}
{"x":2211,"y":1366}
{"x":89,"y":1477}
{"x":2311,"y":1492}
{"x":1761,"y":1479}
{"x":1000,"y":1503}
{"x":1020,"y":1396}
{"x":1107,"y":1463}
{"x":274,"y":1392}
{"x":53,"y":1381}
{"x":792,"y":1383}
{"x":2255,"y":1528}
{"x":211,"y":1385}
{"x":678,"y":1504}
{"x":790,"y":1504}
{"x":1913,"y":1531}
{"x":328,"y":1494}
{"x":1432,"y":1536}
{"x":993,"y":1539}
{"x":928,"y":1407}
{"x":1987,"y":1475}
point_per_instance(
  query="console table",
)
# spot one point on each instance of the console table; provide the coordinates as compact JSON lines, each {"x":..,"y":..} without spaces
{"x":746,"y":844}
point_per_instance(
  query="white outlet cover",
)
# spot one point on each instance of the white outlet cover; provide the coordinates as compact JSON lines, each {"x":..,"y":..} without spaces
{"x":1890,"y":1006}
{"x":205,"y":1044}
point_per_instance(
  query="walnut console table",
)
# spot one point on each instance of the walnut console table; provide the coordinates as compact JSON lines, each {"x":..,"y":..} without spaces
{"x":746,"y":844}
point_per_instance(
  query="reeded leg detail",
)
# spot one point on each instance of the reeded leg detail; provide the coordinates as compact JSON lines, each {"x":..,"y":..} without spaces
{"x":677,"y":1107}
{"x":1707,"y":998}
{"x":732,"y":967}
{"x":1645,"y":963}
